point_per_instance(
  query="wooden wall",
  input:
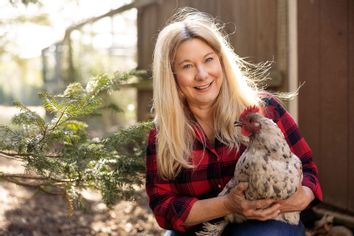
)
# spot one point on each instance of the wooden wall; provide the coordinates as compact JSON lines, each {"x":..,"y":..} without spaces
{"x":252,"y":24}
{"x":326,"y":102}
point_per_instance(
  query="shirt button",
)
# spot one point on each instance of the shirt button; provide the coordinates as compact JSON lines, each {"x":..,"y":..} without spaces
{"x":219,"y":186}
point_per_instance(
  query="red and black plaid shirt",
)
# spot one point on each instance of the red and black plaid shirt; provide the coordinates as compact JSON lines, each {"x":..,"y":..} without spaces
{"x":171,"y":201}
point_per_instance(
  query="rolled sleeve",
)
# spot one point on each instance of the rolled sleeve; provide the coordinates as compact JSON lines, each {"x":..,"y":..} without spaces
{"x":170,"y":210}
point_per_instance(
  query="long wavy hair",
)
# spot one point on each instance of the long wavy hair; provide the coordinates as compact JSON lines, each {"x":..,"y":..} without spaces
{"x":174,"y":123}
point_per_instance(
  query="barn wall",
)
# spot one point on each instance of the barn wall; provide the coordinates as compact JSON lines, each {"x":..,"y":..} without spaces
{"x":326,"y":116}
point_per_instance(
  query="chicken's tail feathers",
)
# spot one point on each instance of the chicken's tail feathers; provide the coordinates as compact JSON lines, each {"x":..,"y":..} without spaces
{"x":210,"y":229}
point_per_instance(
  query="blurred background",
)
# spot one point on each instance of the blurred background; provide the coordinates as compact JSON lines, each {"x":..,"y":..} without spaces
{"x":45,"y":45}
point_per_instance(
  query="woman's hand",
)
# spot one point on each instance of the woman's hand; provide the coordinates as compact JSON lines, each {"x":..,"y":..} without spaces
{"x":298,"y":201}
{"x":258,"y":209}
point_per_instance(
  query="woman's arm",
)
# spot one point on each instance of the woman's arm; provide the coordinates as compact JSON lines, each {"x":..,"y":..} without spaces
{"x":298,"y":201}
{"x":234,"y":202}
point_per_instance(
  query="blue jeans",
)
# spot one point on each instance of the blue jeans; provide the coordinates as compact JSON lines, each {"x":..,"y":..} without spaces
{"x":256,"y":228}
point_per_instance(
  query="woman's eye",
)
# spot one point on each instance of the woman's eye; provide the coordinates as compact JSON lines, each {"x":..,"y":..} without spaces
{"x":187,"y":66}
{"x":209,"y":59}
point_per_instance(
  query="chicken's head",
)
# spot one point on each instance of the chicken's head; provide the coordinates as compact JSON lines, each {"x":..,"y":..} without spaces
{"x":250,"y":121}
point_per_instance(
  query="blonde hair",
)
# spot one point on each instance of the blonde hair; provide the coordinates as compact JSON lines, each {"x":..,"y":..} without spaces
{"x":175,"y":133}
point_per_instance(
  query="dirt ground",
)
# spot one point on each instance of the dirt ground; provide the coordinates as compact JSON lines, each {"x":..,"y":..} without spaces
{"x":26,"y":212}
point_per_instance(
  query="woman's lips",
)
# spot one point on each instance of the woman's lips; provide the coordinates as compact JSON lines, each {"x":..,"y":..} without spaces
{"x":203,"y":87}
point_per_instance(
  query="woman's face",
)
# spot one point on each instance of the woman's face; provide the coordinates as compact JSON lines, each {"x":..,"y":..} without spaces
{"x":198,"y":72}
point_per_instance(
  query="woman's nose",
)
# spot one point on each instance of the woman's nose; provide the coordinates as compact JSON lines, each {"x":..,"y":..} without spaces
{"x":202,"y":73}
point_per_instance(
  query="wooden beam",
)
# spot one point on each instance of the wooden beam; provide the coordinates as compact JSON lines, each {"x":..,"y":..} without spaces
{"x":135,"y":4}
{"x":293,"y":56}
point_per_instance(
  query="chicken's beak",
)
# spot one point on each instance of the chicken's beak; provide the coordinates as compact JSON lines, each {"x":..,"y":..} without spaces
{"x":238,"y":123}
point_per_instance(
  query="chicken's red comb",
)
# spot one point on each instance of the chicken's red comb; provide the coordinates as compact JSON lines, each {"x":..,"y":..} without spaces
{"x":250,"y":109}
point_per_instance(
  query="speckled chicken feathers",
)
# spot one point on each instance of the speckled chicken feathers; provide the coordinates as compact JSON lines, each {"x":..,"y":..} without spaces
{"x":269,"y":167}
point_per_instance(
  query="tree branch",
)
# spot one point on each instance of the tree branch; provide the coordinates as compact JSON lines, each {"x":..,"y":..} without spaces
{"x":40,"y":186}
{"x":19,"y":155}
{"x":61,"y":116}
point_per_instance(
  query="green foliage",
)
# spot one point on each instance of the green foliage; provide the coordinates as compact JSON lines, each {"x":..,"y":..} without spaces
{"x":60,"y":158}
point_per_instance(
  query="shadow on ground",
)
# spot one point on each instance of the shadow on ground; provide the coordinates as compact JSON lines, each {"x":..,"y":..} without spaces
{"x":40,"y":214}
{"x":26,"y":212}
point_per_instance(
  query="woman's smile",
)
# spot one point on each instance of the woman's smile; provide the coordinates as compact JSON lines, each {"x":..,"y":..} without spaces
{"x":204,"y":87}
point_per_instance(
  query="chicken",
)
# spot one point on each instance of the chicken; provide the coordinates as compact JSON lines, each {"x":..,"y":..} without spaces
{"x":267,"y":164}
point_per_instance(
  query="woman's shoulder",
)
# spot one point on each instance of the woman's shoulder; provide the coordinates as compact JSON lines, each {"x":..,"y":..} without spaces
{"x":272,"y":106}
{"x":269,"y":99}
{"x":151,"y":144}
{"x":152,"y":134}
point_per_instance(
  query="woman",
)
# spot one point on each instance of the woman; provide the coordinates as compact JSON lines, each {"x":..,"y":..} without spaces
{"x":200,"y":90}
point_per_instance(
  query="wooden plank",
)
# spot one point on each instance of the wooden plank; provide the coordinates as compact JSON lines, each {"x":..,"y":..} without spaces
{"x":308,"y":72}
{"x":227,"y":18}
{"x":240,"y":19}
{"x":207,"y":6}
{"x":266,"y":37}
{"x":240,"y":23}
{"x":334,"y":98}
{"x":166,"y":10}
{"x":201,"y":5}
{"x":147,"y":25}
{"x":351,"y":105}
{"x":246,"y":29}
{"x":140,"y":35}
{"x":187,"y":3}
{"x":281,"y":31}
